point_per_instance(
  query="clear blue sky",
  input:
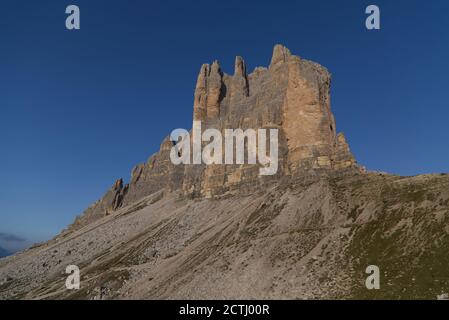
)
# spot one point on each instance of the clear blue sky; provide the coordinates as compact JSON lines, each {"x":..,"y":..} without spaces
{"x":80,"y":108}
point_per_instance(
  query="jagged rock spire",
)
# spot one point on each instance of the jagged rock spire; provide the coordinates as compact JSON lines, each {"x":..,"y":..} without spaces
{"x":199,"y":104}
{"x":280,"y":55}
{"x":208,"y":92}
{"x":214,"y":87}
{"x":240,"y":67}
{"x":240,"y":85}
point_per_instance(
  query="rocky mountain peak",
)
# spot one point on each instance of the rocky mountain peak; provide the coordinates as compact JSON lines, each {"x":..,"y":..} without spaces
{"x":292,"y":95}
{"x":280,"y":55}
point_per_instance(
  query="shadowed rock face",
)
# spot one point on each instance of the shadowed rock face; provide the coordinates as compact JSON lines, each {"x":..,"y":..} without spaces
{"x":291,"y":95}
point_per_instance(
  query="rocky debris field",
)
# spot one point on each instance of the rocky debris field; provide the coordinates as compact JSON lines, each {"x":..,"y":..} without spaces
{"x":304,"y":238}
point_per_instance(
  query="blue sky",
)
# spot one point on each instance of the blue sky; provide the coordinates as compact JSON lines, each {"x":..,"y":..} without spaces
{"x":80,"y":108}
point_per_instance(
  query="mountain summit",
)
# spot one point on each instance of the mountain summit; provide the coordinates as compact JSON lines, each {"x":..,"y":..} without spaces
{"x":292,"y":95}
{"x":311,"y":231}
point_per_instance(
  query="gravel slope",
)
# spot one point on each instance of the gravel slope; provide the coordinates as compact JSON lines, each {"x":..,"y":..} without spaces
{"x":305,"y":239}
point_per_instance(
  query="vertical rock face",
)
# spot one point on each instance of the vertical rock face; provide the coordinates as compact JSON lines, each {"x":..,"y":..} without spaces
{"x":292,"y":95}
{"x":214,"y":94}
{"x":308,"y":123}
{"x":239,"y":86}
{"x":280,"y":55}
{"x":200,"y":97}
{"x":208,"y":92}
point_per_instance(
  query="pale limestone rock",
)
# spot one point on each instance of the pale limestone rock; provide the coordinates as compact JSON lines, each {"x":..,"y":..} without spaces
{"x":240,"y":79}
{"x":280,"y":55}
{"x":292,"y":95}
